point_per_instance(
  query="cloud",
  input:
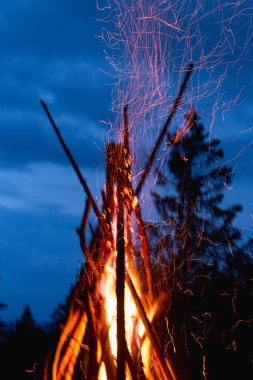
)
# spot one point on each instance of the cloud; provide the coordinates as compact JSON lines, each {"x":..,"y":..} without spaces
{"x":49,"y":28}
{"x":49,"y":51}
{"x":28,"y":137}
{"x":47,"y":188}
{"x":40,"y":258}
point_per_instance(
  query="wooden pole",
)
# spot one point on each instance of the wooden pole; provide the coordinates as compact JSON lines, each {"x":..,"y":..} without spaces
{"x":75,"y":167}
{"x":165,"y":129}
{"x":164,"y":364}
{"x":82,"y":236}
{"x":120,"y":294}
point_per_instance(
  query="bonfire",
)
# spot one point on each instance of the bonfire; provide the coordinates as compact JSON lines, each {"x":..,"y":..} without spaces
{"x":112,"y":329}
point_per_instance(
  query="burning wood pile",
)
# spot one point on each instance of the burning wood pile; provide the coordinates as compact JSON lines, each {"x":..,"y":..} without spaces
{"x":112,"y":329}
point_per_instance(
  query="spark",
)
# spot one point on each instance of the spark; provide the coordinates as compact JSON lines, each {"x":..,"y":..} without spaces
{"x":162,"y":21}
{"x":199,"y":276}
{"x":33,"y":369}
{"x":204,"y":367}
{"x":197,"y":339}
{"x":241,"y":321}
{"x":171,"y":336}
{"x":189,"y":291}
{"x":148,"y":45}
{"x":196,"y":319}
{"x":232,"y":345}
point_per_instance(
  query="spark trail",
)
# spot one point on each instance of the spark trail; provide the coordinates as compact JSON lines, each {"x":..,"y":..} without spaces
{"x":149,"y":45}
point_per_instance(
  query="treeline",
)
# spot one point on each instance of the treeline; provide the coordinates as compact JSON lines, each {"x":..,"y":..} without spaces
{"x":202,"y":260}
{"x":198,"y":256}
{"x":25,"y":345}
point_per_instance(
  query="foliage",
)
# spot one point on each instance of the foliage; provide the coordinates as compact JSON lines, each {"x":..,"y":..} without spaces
{"x":24,"y":348}
{"x":201,"y":260}
{"x":196,"y":230}
{"x":2,"y":324}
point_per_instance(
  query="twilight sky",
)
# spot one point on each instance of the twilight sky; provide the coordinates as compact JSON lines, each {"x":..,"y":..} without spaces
{"x":50,"y":50}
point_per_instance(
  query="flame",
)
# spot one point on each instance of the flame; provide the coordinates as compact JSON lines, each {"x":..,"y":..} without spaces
{"x":102,"y":372}
{"x":138,"y":345}
{"x":134,"y":328}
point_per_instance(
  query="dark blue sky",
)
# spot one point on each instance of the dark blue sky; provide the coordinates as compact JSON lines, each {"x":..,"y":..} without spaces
{"x":50,"y":50}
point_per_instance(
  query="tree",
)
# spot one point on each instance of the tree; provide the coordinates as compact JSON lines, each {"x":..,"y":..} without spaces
{"x":2,"y":325}
{"x":24,"y":347}
{"x":197,"y":231}
{"x":201,"y":259}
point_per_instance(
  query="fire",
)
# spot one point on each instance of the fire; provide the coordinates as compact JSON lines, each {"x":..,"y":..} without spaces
{"x":113,"y":338}
{"x":153,"y":46}
{"x":134,"y":327}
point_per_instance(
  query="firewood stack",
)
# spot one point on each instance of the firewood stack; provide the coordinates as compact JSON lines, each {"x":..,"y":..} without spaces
{"x":111,"y":331}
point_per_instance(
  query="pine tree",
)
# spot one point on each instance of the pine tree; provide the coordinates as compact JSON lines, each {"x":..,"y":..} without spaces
{"x":2,"y":324}
{"x":24,"y":347}
{"x":201,"y":259}
{"x":197,"y":231}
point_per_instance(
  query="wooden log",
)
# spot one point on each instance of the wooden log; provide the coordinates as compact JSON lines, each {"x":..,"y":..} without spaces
{"x":132,"y":368}
{"x":107,"y":355}
{"x":144,"y":251}
{"x":82,"y":236}
{"x":127,"y":180}
{"x":136,"y":352}
{"x":82,"y":230}
{"x":66,"y":367}
{"x":76,"y":169}
{"x":91,"y":230}
{"x":113,"y":162}
{"x":66,"y":332}
{"x":93,"y":336}
{"x":120,"y":295}
{"x":164,"y":364}
{"x":159,"y":308}
{"x":127,"y":155}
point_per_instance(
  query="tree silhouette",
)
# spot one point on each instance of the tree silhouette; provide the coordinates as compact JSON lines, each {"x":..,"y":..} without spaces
{"x":201,"y":259}
{"x":196,"y":231}
{"x":2,"y":324}
{"x":24,"y":348}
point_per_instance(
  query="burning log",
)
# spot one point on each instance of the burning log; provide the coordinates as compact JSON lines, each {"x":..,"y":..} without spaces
{"x":107,"y":355}
{"x":164,"y":364}
{"x":66,"y":367}
{"x":110,"y":323}
{"x":120,"y":294}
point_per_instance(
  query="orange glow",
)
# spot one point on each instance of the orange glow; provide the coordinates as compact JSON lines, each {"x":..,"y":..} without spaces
{"x":134,"y":327}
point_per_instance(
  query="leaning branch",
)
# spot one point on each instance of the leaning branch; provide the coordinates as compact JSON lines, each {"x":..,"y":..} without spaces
{"x":120,"y":295}
{"x":74,"y":165}
{"x":164,"y":364}
{"x":165,"y":129}
{"x":82,"y":236}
